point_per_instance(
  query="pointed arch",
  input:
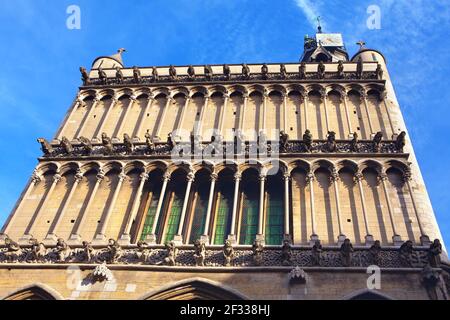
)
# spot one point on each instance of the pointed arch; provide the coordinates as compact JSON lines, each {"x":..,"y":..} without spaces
{"x":366,"y":294}
{"x":194,"y":289}
{"x":36,"y":291}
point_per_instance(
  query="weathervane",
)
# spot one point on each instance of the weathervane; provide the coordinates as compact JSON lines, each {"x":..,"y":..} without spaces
{"x":361,"y":44}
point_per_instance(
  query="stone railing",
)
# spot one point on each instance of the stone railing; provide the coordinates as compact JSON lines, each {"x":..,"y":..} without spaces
{"x":207,"y":150}
{"x":243,"y":256}
{"x":165,"y":79}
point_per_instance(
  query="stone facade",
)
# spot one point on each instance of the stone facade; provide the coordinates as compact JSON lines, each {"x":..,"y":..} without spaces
{"x":154,"y":169}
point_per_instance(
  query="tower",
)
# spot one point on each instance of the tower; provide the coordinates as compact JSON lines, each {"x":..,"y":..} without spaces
{"x":242,"y":178}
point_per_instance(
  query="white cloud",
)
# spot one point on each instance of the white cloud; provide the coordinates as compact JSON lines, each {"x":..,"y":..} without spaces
{"x":311,"y":12}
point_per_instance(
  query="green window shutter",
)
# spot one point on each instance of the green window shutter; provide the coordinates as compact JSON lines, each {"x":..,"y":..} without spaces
{"x":199,"y":219}
{"x":150,"y":217}
{"x":249,"y":221}
{"x":274,"y":218}
{"x":174,"y":217}
{"x":223,"y":220}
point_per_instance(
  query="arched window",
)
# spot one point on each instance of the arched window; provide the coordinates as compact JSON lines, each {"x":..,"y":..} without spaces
{"x":274,"y":225}
{"x":250,"y":206}
{"x":174,"y":198}
{"x":224,"y":207}
{"x":153,"y":191}
{"x":200,"y":207}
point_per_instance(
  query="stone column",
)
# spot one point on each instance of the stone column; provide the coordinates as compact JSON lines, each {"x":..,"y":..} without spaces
{"x":202,"y":116}
{"x":383,"y":97}
{"x":364,"y":99}
{"x":125,"y":238}
{"x":100,"y":238}
{"x":105,"y":118}
{"x":86,"y":119}
{"x":76,"y":105}
{"x":179,"y":236}
{"x":424,"y":238}
{"x":285,"y":112}
{"x":323,"y":95}
{"x":152,"y":236}
{"x":51,"y":236}
{"x":264,"y":114}
{"x":232,"y":236}
{"x":396,"y":237}
{"x":35,"y":179}
{"x":260,"y":234}
{"x":347,"y":115}
{"x":369,"y":237}
{"x":223,"y":114}
{"x":163,"y":117}
{"x":125,"y":116}
{"x":335,"y":181}
{"x":305,"y":102}
{"x":287,"y":232}
{"x":75,"y":237}
{"x":314,"y":236}
{"x":205,"y":236}
{"x":29,"y":231}
{"x":244,"y":109}
{"x":141,"y":123}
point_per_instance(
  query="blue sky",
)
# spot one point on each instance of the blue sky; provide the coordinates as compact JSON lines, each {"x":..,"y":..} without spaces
{"x":40,"y":57}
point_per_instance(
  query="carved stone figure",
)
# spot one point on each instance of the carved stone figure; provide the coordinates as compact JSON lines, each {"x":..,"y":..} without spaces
{"x":297,"y":275}
{"x":262,"y":141}
{"x":208,"y":72}
{"x":84,"y":76}
{"x":128,"y":143}
{"x":107,"y":144}
{"x":13,"y":250}
{"x":226,"y":72}
{"x":136,"y":75}
{"x":143,"y":252}
{"x":239,"y":143}
{"x":46,"y":147}
{"x":102,"y":273}
{"x":191,"y":72}
{"x":434,"y":254}
{"x":400,"y":141}
{"x":284,"y":137}
{"x":354,"y":143}
{"x":405,"y":253}
{"x":155,"y":75}
{"x":431,"y":280}
{"x":316,"y":253}
{"x":149,"y":141}
{"x":86,"y":144}
{"x":245,"y":71}
{"x":66,"y":145}
{"x":302,"y":70}
{"x":200,"y":253}
{"x":119,"y":75}
{"x":170,"y":141}
{"x":172,"y":252}
{"x":88,"y":251}
{"x":37,"y":251}
{"x":283,"y":73}
{"x":374,"y":252}
{"x":307,"y":140}
{"x":102,"y":75}
{"x":173,"y":73}
{"x":228,"y":253}
{"x":265,"y":71}
{"x":62,"y":250}
{"x":346,"y":253}
{"x":331,"y":141}
{"x":359,"y":69}
{"x":114,"y":251}
{"x":340,"y":69}
{"x":321,"y":70}
{"x":377,"y":141}
{"x":257,"y":255}
{"x":286,"y":254}
{"x":379,"y":72}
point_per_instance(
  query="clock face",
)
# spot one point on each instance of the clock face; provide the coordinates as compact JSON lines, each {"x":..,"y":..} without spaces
{"x":330,"y":39}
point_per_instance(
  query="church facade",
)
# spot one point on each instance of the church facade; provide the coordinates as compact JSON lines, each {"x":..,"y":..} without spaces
{"x":250,"y":181}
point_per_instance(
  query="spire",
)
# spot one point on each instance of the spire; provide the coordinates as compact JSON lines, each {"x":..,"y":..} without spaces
{"x":319,"y":27}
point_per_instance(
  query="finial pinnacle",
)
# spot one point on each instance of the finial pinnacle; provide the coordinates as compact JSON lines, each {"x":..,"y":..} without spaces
{"x":361,"y":44}
{"x":319,"y":27}
{"x":121,"y":50}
